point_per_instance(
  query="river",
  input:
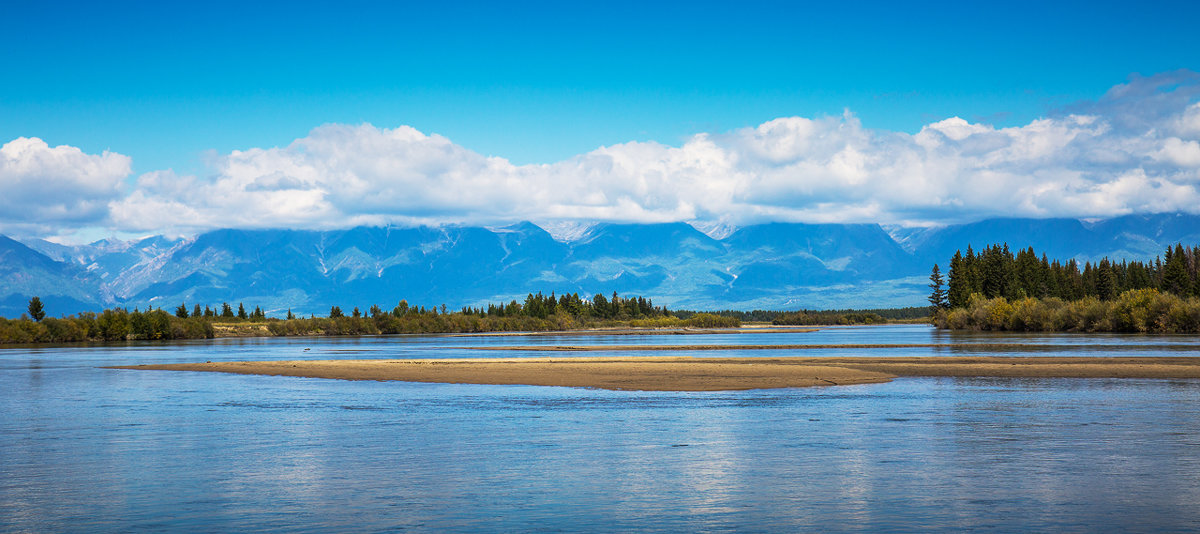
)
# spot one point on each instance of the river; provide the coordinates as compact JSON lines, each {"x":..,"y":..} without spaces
{"x":99,"y":450}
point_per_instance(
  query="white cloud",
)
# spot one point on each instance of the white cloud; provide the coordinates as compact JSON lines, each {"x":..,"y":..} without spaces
{"x":46,"y":188}
{"x":1137,"y":149}
{"x":1179,"y":152}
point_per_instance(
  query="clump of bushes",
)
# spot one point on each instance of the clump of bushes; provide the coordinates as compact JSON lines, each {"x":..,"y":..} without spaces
{"x":809,"y":318}
{"x":1135,"y":310}
{"x":699,"y":320}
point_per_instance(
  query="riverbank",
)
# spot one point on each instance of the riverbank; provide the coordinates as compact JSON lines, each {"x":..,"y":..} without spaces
{"x":701,"y":374}
{"x":646,"y":331}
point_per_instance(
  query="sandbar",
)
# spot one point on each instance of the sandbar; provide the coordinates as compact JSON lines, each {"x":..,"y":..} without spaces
{"x":951,"y":347}
{"x":701,"y":374}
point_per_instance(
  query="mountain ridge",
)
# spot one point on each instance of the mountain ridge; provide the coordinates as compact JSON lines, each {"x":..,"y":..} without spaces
{"x":765,"y":266}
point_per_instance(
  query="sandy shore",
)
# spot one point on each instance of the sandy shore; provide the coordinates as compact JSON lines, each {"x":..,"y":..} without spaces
{"x":953,"y":347}
{"x":700,"y":374}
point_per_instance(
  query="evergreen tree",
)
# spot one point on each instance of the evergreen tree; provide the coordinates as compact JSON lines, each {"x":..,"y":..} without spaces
{"x":289,"y":315}
{"x":226,"y":311}
{"x":196,"y":312}
{"x":36,"y":311}
{"x":600,"y":306}
{"x":1175,"y":278}
{"x":937,"y":295}
{"x":1106,"y":281}
{"x":181,"y":312}
{"x":242,"y":312}
{"x":959,"y":286}
{"x":335,"y":312}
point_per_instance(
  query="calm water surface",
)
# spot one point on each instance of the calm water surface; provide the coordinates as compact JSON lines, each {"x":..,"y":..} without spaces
{"x":89,"y":449}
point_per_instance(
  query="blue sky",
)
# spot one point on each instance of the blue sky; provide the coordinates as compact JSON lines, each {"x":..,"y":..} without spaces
{"x":179,"y":86}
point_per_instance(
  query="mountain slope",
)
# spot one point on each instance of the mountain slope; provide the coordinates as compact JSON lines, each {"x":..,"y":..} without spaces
{"x":774,"y":265}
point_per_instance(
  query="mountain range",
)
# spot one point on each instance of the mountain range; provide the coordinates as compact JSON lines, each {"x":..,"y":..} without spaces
{"x":765,"y":266}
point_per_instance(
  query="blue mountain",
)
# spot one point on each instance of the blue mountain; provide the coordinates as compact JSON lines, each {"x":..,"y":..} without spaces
{"x":766,"y":266}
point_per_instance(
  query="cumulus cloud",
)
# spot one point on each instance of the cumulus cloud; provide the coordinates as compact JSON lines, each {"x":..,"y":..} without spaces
{"x":46,"y":188}
{"x":1135,"y":150}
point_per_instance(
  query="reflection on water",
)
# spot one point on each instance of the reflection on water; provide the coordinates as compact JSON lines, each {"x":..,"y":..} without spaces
{"x":83,"y":448}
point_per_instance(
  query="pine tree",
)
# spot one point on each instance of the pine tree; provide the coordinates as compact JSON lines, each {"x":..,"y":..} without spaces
{"x":242,"y":312}
{"x":1106,"y":281}
{"x":335,"y":312}
{"x":937,"y":295}
{"x":959,"y":286}
{"x":289,"y":315}
{"x":1175,"y":278}
{"x":181,"y":312}
{"x":226,"y":311}
{"x":36,"y":311}
{"x":196,"y":312}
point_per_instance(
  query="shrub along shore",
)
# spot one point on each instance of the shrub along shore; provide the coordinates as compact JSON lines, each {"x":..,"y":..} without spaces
{"x":1136,"y":310}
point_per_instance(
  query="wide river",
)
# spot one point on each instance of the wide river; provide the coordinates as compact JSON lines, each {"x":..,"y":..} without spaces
{"x":98,"y":450}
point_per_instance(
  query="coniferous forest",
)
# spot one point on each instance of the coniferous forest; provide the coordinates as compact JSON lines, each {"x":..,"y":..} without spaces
{"x":997,"y":290}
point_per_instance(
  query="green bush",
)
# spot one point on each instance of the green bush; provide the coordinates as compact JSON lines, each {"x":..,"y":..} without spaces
{"x":1136,"y":310}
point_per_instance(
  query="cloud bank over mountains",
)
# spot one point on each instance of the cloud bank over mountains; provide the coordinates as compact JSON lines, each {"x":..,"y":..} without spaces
{"x":1134,"y":150}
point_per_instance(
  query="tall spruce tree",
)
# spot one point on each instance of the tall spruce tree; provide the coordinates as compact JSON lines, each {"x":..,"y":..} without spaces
{"x":937,"y":294}
{"x":1175,"y":277}
{"x":960,"y":284}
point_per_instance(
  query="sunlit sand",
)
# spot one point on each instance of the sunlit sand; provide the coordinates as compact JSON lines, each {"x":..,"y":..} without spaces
{"x":701,"y":374}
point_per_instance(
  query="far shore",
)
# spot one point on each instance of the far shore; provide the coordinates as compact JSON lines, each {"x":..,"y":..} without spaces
{"x":237,"y":330}
{"x":702,"y":374}
{"x":633,"y":331}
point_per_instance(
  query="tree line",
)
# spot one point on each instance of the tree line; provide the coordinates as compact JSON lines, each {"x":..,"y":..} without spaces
{"x":997,"y":272}
{"x":997,"y":290}
{"x":812,"y":317}
{"x":117,"y":324}
{"x":538,"y":312}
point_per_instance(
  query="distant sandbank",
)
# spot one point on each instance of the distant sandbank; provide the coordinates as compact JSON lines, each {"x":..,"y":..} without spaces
{"x":954,"y":347}
{"x":701,"y":374}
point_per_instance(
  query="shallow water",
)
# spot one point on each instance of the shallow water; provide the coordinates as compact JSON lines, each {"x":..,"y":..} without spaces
{"x":89,"y":449}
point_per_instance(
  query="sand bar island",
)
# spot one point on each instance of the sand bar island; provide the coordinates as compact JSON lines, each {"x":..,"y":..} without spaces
{"x":650,"y":373}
